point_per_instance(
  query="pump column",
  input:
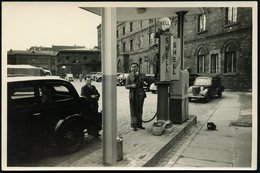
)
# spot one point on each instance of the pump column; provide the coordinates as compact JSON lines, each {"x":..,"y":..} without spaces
{"x":179,"y":100}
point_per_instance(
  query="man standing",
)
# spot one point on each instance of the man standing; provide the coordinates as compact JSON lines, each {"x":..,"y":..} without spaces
{"x":135,"y":82}
{"x":91,"y":94}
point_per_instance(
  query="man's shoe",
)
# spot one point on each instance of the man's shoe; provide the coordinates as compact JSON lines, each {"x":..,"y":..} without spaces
{"x":141,"y":127}
{"x":134,"y":129}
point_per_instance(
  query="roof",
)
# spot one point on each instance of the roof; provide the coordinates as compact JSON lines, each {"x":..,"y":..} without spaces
{"x":21,"y":66}
{"x":80,"y":50}
{"x":33,"y":78}
{"x":135,"y":12}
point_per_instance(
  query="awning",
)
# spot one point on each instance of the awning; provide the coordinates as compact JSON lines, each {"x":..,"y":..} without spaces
{"x":142,"y":13}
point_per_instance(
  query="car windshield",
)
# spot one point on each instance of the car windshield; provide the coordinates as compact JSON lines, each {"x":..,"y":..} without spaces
{"x":202,"y":81}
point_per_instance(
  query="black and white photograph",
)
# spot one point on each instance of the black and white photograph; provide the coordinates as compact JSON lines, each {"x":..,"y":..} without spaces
{"x":129,"y":85}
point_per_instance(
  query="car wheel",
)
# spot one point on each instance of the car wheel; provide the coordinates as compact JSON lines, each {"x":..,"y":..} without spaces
{"x":219,"y":94}
{"x":70,"y":138}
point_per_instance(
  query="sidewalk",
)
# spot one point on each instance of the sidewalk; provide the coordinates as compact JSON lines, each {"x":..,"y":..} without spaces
{"x":140,"y":149}
{"x":230,"y":145}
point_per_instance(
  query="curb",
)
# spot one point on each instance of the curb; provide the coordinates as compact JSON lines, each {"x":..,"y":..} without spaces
{"x":176,"y":136}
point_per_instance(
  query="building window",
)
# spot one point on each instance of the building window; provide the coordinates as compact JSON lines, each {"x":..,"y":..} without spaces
{"x":201,"y":61}
{"x":123,"y":47}
{"x":131,"y":26}
{"x":202,"y":23}
{"x":231,"y":15}
{"x":230,"y":59}
{"x":140,"y":44}
{"x":131,"y":45}
{"x":116,"y":33}
{"x":67,"y":57}
{"x":123,"y":30}
{"x":151,"y":38}
{"x":214,"y":65}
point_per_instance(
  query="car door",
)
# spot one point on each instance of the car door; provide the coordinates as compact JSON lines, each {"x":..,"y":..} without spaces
{"x":61,"y":103}
{"x":22,"y":109}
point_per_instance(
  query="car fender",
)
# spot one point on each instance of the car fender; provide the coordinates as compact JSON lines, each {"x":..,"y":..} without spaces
{"x":77,"y":119}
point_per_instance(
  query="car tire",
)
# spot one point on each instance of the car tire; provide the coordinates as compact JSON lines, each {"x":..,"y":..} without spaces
{"x":70,"y":138}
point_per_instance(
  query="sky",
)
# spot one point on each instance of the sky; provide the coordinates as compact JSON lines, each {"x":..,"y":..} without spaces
{"x":46,"y":24}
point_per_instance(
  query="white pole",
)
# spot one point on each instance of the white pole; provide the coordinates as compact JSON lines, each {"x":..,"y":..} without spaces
{"x":109,"y":96}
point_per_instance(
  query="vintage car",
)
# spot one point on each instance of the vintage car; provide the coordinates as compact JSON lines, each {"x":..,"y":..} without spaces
{"x":69,"y":77}
{"x":121,"y":79}
{"x":47,"y":111}
{"x":206,"y":87}
{"x":148,"y":80}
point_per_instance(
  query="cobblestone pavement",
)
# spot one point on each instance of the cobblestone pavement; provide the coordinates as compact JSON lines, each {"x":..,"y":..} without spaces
{"x":150,"y":104}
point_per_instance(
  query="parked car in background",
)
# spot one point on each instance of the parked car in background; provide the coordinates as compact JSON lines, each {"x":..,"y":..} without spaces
{"x":46,"y":111}
{"x":192,"y":78}
{"x":121,"y":79}
{"x":206,"y":87}
{"x":148,"y":80}
{"x":69,"y":77}
{"x":26,"y":70}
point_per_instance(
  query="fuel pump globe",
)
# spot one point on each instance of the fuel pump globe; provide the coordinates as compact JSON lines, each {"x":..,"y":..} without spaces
{"x":164,"y":23}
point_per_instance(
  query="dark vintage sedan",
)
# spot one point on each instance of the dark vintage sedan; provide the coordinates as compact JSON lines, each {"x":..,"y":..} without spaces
{"x":47,"y":111}
{"x":206,"y":88}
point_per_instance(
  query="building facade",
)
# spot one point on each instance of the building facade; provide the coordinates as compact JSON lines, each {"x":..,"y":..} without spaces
{"x":78,"y":61}
{"x":44,"y":59}
{"x":60,"y":60}
{"x":216,"y":42}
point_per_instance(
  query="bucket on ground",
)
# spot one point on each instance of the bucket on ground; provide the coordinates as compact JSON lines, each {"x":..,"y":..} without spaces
{"x":157,"y":128}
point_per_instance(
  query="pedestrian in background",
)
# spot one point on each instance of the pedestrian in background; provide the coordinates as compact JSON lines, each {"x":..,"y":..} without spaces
{"x":90,"y":92}
{"x":135,"y":82}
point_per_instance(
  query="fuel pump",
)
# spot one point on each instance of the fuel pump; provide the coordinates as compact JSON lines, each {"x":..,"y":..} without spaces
{"x":165,"y":76}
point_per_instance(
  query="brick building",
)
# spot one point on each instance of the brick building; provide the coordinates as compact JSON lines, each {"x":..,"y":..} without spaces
{"x":78,"y":61}
{"x":217,"y":41}
{"x":59,"y":59}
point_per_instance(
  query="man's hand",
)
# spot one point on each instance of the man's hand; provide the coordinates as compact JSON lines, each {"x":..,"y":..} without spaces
{"x":133,"y":85}
{"x":94,"y":96}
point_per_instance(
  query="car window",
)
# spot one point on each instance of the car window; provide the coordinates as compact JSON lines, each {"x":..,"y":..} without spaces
{"x":21,"y":96}
{"x":202,"y":81}
{"x":22,"y":92}
{"x":62,"y":92}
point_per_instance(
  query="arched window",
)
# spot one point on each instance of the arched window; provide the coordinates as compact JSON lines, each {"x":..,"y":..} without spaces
{"x":230,"y":58}
{"x":201,"y":60}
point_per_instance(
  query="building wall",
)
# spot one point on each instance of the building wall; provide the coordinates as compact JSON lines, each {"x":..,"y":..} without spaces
{"x":214,"y":39}
{"x":38,"y":60}
{"x":74,"y":62}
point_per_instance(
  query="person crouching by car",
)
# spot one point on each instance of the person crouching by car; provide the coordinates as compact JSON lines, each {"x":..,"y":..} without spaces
{"x":91,"y":94}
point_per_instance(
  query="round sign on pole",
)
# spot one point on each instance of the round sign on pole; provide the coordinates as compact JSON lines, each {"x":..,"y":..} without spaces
{"x":164,"y":23}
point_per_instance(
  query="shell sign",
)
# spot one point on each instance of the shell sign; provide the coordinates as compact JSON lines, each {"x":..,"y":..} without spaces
{"x":164,"y":23}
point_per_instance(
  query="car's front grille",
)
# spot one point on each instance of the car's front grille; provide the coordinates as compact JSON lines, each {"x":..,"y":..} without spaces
{"x":195,"y":91}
